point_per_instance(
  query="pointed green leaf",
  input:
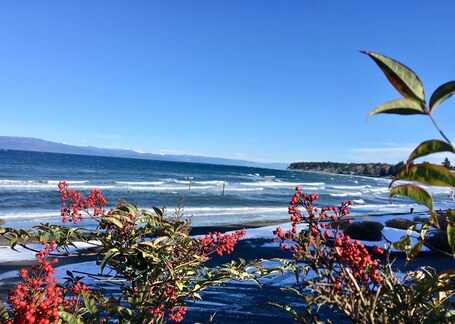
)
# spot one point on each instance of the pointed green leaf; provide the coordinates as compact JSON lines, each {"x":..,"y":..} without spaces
{"x":179,"y":285}
{"x":399,"y":106}
{"x":43,"y":237}
{"x":403,"y":244}
{"x":427,"y":173}
{"x":4,"y":316}
{"x":424,"y":229}
{"x":159,"y":212}
{"x":414,"y":192}
{"x":13,"y":242}
{"x":451,"y":237}
{"x":400,"y":76}
{"x":109,"y":255}
{"x":430,"y":147}
{"x":433,"y":220}
{"x":450,"y":214}
{"x":115,"y":221}
{"x":69,"y":274}
{"x":414,"y":251}
{"x":89,"y":302}
{"x":129,"y":208}
{"x":69,"y":318}
{"x":441,"y":94}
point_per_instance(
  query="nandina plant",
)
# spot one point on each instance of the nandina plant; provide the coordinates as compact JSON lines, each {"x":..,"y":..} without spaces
{"x":334,"y":272}
{"x":154,"y":267}
{"x":413,"y":102}
{"x":38,"y":298}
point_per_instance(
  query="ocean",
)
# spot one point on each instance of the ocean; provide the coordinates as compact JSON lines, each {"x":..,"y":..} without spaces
{"x":212,"y":195}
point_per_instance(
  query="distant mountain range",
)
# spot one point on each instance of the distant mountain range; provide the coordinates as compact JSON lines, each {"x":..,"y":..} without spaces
{"x":39,"y":145}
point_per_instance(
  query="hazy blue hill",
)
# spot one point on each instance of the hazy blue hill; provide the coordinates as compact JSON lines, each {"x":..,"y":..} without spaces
{"x":39,"y":145}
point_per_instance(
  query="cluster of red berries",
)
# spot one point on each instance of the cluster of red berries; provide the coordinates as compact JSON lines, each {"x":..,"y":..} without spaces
{"x":312,"y":217}
{"x":176,"y":313}
{"x":171,"y":298}
{"x":221,"y":243}
{"x":157,"y":310}
{"x":349,"y":253}
{"x":74,"y":202}
{"x":361,"y":265}
{"x":39,"y":298}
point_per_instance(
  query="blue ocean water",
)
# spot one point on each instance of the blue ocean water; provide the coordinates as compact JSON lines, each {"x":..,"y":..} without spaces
{"x":29,"y":193}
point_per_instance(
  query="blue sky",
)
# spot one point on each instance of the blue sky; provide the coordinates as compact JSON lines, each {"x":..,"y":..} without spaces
{"x":270,"y":81}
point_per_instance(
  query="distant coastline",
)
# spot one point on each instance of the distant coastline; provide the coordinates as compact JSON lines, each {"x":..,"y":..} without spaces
{"x":30,"y":144}
{"x":363,"y":169}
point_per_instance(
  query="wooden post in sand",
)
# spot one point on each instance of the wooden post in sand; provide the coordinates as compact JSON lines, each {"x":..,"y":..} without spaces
{"x":224,"y":185}
{"x":190,"y":179}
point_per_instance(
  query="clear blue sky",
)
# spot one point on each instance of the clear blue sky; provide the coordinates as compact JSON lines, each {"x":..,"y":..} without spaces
{"x":272,"y":81}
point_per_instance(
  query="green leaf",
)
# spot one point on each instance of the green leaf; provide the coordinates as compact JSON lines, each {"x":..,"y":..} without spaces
{"x":403,"y":244}
{"x":451,"y":238}
{"x":414,"y":192}
{"x":115,"y":221}
{"x":423,"y":231}
{"x":399,"y":106}
{"x":400,"y":76}
{"x":450,"y":214}
{"x":13,"y":242}
{"x":89,"y":302}
{"x":129,"y":208}
{"x":109,"y":255}
{"x":179,"y":285}
{"x":414,"y":251}
{"x":430,"y":147}
{"x":4,"y":316}
{"x":69,"y":274}
{"x":441,"y":94}
{"x":433,"y":220}
{"x":197,"y":295}
{"x":159,"y":212}
{"x":427,"y":173}
{"x":69,"y":318}
{"x":44,"y":237}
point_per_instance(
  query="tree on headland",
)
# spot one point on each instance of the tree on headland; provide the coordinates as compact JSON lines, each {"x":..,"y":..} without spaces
{"x":368,"y":169}
{"x":446,"y":163}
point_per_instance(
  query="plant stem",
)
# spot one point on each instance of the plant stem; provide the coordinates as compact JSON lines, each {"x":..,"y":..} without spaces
{"x":437,"y":126}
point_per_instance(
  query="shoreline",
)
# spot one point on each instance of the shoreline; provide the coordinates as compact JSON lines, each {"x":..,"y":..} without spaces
{"x":232,"y":302}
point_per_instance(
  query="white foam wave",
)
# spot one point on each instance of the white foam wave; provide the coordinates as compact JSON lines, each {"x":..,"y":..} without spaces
{"x":379,"y":190}
{"x":345,"y":194}
{"x":140,"y":183}
{"x":350,"y":187}
{"x":38,"y":182}
{"x":34,"y":184}
{"x":212,"y":182}
{"x":30,"y":214}
{"x":218,"y":211}
{"x":227,"y":189}
{"x":291,"y":185}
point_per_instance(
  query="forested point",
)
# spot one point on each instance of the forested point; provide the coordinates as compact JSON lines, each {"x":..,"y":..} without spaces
{"x":368,"y":169}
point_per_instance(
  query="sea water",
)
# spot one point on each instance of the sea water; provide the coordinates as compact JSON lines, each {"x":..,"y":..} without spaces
{"x":210,"y":194}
